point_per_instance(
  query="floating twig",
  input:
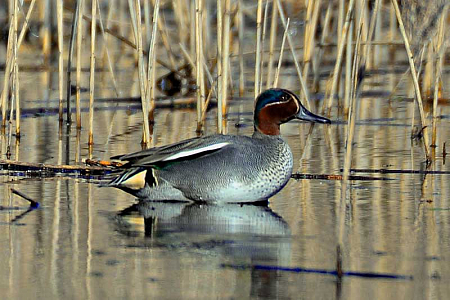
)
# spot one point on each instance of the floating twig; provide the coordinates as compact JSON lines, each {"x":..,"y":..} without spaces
{"x":300,"y":176}
{"x":318,"y":271}
{"x":48,"y":169}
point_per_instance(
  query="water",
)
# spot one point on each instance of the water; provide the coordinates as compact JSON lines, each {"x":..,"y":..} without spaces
{"x":87,"y":242}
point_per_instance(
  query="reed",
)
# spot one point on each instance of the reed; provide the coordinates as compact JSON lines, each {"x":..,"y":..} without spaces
{"x":105,"y":45}
{"x":263,"y":41}
{"x":258,"y":47}
{"x":16,"y":86}
{"x":440,"y":49}
{"x":9,"y":60}
{"x":59,"y":15}
{"x":219,"y":65}
{"x":348,"y":68}
{"x":280,"y":58}
{"x":45,"y":31}
{"x":372,"y":26}
{"x":241,"y":29}
{"x":294,"y":56}
{"x":325,"y":34}
{"x":272,"y":41}
{"x":225,"y":59}
{"x":80,"y":8}
{"x":340,"y":51}
{"x":92,"y":72}
{"x":147,"y":24}
{"x":199,"y":59}
{"x":151,"y":84}
{"x":69,"y":62}
{"x":414,"y":77}
{"x":309,"y":40}
{"x":352,"y":109}
{"x":135,"y":12}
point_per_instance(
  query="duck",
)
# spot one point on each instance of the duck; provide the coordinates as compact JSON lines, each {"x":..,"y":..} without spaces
{"x":220,"y":168}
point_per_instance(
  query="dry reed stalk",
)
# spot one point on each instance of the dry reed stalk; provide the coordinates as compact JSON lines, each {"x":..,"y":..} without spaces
{"x":241,"y":29}
{"x":187,"y":56}
{"x":309,"y":40}
{"x":78,"y":72}
{"x":352,"y":109}
{"x":205,"y":109}
{"x":414,"y":77}
{"x":280,"y":58}
{"x":428,"y":74}
{"x":294,"y":56}
{"x":219,"y":64}
{"x":147,"y":24}
{"x":392,"y":32}
{"x":206,"y":24}
{"x":375,"y":58}
{"x":340,"y":51}
{"x":361,"y":12}
{"x":307,"y":32}
{"x":272,"y":41}
{"x":341,"y":14}
{"x":5,"y":92}
{"x":348,"y":68}
{"x":105,"y":42}
{"x":225,"y":59}
{"x":69,"y":61}
{"x":45,"y":29}
{"x":440,"y":49}
{"x":16,"y":86}
{"x":263,"y":40}
{"x":59,"y":15}
{"x":8,"y":68}
{"x":151,"y":84}
{"x":180,"y":8}
{"x":135,"y":11}
{"x":373,"y":19}
{"x":258,"y":47}
{"x":323,"y":36}
{"x":199,"y":59}
{"x":166,"y":43}
{"x":92,"y":72}
{"x":192,"y":28}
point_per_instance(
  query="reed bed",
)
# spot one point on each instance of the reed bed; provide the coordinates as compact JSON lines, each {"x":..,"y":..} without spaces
{"x":203,"y":44}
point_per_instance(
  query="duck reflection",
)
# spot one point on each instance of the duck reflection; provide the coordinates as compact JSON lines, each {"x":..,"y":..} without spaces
{"x":238,"y":234}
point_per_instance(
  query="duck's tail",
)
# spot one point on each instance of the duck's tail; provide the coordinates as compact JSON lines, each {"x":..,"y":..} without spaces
{"x":133,"y":178}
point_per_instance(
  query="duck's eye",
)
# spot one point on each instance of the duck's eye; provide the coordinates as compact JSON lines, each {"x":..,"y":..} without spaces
{"x":284,"y":98}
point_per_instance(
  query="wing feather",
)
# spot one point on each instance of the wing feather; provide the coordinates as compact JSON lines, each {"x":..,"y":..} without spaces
{"x":184,"y":150}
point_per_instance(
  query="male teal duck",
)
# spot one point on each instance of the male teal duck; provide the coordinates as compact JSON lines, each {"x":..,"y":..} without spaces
{"x":220,"y":168}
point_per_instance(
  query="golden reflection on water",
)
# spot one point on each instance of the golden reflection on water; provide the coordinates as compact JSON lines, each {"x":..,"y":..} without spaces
{"x":81,"y":244}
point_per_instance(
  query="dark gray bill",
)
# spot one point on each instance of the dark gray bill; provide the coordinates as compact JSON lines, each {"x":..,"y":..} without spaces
{"x":306,"y":115}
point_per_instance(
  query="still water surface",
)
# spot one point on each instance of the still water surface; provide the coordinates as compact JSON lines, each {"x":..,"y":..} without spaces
{"x":87,"y":242}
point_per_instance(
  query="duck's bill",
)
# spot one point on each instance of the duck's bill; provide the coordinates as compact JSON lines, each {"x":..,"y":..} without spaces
{"x":306,"y":115}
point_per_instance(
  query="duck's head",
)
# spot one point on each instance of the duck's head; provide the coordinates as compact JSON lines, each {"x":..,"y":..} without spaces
{"x":277,"y":106}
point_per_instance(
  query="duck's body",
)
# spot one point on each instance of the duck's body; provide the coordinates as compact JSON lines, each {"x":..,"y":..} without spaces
{"x":220,"y":168}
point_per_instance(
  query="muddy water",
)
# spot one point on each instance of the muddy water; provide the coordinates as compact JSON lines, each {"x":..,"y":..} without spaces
{"x":87,"y":242}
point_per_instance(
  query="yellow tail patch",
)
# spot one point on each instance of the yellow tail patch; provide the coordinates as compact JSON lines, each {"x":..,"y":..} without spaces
{"x":135,"y":182}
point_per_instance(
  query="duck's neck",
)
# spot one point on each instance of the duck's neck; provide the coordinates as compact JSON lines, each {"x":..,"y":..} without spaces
{"x":266,"y":121}
{"x":260,"y":135}
{"x":267,"y":129}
